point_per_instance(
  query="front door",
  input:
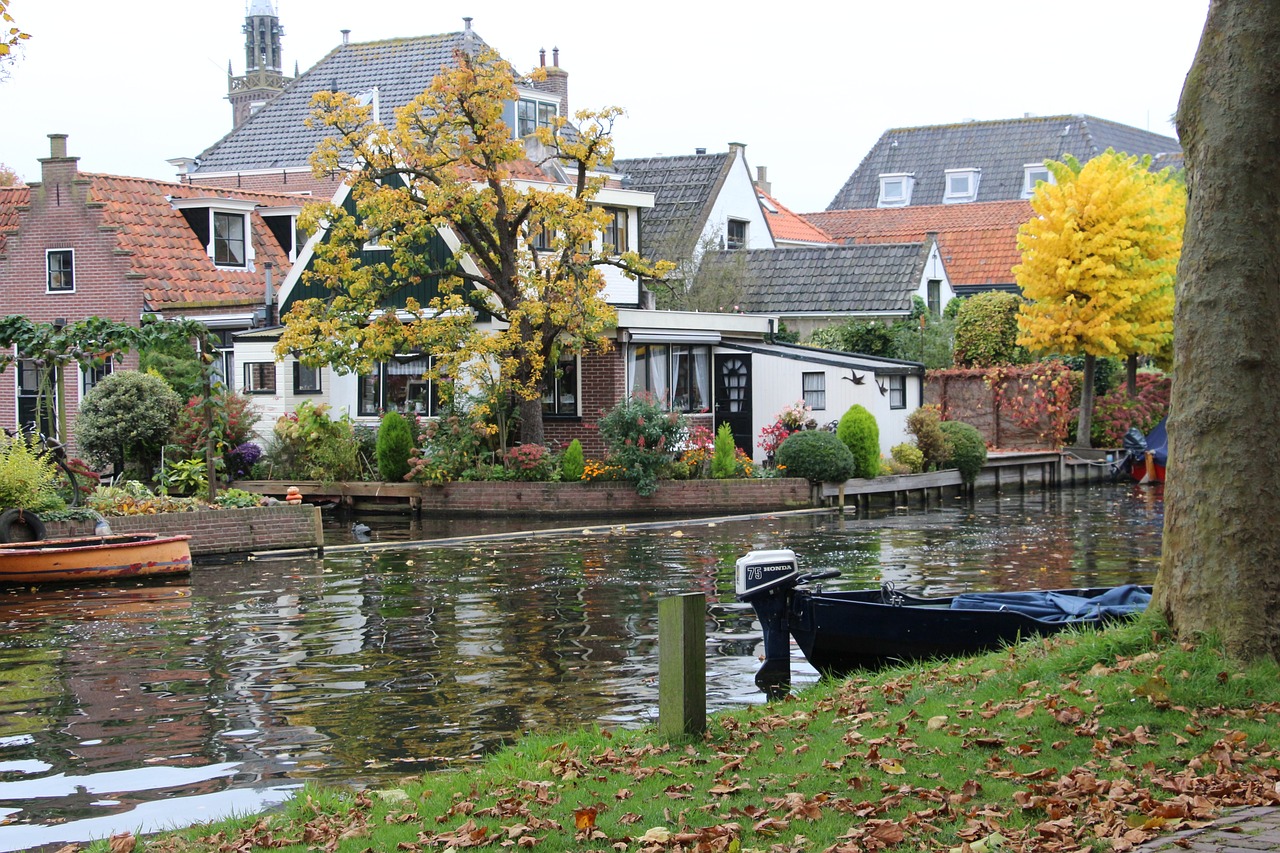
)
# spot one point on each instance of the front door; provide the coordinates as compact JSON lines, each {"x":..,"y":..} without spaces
{"x":733,"y":397}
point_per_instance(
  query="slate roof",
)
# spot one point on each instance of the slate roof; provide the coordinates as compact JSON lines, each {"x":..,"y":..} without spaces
{"x":276,"y":136}
{"x":870,"y":277}
{"x":684,"y":187}
{"x":978,"y":242}
{"x":171,"y":265}
{"x":999,"y":148}
{"x":787,"y":225}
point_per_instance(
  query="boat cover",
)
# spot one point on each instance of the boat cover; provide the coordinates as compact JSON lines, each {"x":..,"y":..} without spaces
{"x":1058,"y":606}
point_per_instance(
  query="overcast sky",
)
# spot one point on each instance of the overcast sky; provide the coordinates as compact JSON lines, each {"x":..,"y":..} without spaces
{"x":808,"y":87}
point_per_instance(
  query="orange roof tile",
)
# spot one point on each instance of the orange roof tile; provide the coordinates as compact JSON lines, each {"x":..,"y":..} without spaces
{"x":11,"y":198}
{"x":787,"y":225}
{"x":978,"y":242}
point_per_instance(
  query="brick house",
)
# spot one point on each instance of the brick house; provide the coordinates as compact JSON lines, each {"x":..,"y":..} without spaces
{"x":79,"y":244}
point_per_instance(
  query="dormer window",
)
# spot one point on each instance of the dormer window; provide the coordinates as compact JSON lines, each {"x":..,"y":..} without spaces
{"x":532,"y":114}
{"x":962,"y":186}
{"x":1032,"y":174}
{"x":283,"y":224}
{"x":229,"y":239}
{"x":222,"y":227}
{"x":895,"y":190}
{"x":735,"y":234}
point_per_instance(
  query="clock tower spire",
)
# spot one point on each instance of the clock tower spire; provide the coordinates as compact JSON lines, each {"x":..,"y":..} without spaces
{"x":262,"y":79}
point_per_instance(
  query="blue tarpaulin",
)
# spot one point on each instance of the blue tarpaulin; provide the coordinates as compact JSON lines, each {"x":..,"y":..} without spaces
{"x":1058,"y":606}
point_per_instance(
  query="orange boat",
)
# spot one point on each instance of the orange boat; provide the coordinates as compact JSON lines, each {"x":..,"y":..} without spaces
{"x":94,"y":558}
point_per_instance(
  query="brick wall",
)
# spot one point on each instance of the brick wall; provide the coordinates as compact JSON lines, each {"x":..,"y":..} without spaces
{"x":221,"y":531}
{"x":603,"y":379}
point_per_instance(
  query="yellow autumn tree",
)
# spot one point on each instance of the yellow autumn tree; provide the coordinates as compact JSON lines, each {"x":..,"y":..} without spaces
{"x":451,"y":167}
{"x":10,"y":35}
{"x":1099,"y":261}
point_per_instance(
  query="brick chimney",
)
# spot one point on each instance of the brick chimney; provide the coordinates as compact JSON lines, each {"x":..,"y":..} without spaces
{"x":58,"y":170}
{"x":557,"y":82}
{"x":762,"y":180}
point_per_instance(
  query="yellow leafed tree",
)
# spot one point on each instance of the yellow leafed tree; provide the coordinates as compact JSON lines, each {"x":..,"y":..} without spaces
{"x":523,"y":228}
{"x":1099,"y":261}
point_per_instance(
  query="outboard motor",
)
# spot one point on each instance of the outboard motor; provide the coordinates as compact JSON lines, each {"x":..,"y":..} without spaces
{"x":1134,"y":445}
{"x":764,"y":578}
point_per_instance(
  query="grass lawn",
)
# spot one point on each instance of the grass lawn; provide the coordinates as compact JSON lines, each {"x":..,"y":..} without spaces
{"x":1085,"y":741}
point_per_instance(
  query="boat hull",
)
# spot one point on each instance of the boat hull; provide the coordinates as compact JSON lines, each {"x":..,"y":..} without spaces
{"x":84,"y":559}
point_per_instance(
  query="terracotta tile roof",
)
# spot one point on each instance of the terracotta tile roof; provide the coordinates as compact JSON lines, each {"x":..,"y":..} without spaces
{"x":11,"y":198}
{"x":788,"y":226}
{"x":173,"y":267}
{"x":978,"y":242}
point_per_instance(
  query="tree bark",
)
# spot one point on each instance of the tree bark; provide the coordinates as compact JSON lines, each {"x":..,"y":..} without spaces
{"x":1084,"y":424}
{"x":1131,"y":374}
{"x":1220,"y":570}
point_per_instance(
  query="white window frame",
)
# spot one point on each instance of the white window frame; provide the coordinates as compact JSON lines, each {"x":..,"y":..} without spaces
{"x":231,"y":206}
{"x":903,"y":179}
{"x":91,"y":375}
{"x":955,"y":196}
{"x":742,"y":243}
{"x":48,"y":270}
{"x":1030,"y":175}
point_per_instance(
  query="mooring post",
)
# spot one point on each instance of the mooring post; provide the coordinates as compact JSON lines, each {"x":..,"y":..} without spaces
{"x":682,"y":664}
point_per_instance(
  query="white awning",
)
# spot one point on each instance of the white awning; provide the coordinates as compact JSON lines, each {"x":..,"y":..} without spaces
{"x":672,"y":336}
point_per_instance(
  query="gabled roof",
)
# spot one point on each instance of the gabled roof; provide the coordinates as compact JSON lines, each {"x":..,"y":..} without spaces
{"x":171,"y":266}
{"x":684,"y":189}
{"x":879,"y":277}
{"x":978,"y":242}
{"x":788,"y":226}
{"x":999,"y":148}
{"x":276,"y":136}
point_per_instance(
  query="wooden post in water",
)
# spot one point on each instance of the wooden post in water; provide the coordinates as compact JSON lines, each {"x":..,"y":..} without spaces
{"x":682,"y":664}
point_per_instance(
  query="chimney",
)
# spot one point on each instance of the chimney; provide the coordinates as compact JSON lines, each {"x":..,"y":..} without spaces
{"x":557,"y":82}
{"x":58,"y":170}
{"x":762,"y":180}
{"x":57,"y":146}
{"x":542,"y":57}
{"x":739,"y":148}
{"x":699,"y":151}
{"x":346,"y":36}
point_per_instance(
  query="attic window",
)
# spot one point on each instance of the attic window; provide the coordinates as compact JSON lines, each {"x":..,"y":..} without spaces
{"x":895,"y":190}
{"x":736,"y":235}
{"x":532,"y":114}
{"x":1032,"y":174}
{"x":229,"y":239}
{"x":962,"y":185}
{"x":222,"y":227}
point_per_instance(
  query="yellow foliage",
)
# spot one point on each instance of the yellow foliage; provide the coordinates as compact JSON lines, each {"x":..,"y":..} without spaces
{"x":1100,"y":257}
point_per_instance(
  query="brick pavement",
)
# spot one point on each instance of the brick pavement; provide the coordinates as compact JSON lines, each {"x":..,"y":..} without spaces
{"x":1246,"y":830}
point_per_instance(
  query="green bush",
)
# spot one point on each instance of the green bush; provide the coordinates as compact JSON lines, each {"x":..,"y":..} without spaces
{"x":642,"y":439}
{"x":968,"y":450}
{"x":238,"y":499}
{"x":817,"y":455}
{"x":723,"y":458}
{"x":934,"y":446}
{"x":309,"y":445}
{"x":987,"y":331}
{"x":28,"y":479}
{"x":573,"y":463}
{"x":233,"y":422}
{"x":860,"y":433}
{"x":125,"y":420}
{"x":395,"y":443}
{"x":455,"y":446}
{"x":908,"y":456}
{"x":931,"y":345}
{"x":185,"y":477}
{"x":868,"y":337}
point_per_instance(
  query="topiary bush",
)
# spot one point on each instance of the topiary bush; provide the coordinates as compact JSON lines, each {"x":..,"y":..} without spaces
{"x":572,"y":463}
{"x":968,"y":450}
{"x":860,"y":433}
{"x":987,"y":331}
{"x":125,"y":420}
{"x":395,"y":443}
{"x":723,"y":462}
{"x":934,"y":446}
{"x":817,"y":455}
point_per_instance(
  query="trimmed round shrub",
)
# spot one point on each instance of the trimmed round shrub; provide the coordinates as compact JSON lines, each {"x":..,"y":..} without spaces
{"x":968,"y":450}
{"x":860,"y":433}
{"x":125,"y":420}
{"x":987,"y":331}
{"x":395,"y":443}
{"x":573,"y":463}
{"x":908,"y":456}
{"x":817,"y":455}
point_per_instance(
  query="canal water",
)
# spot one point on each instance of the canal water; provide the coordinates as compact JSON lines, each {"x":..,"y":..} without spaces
{"x":142,"y":707}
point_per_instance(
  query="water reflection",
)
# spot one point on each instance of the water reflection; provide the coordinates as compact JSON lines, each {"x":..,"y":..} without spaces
{"x":226,"y":691}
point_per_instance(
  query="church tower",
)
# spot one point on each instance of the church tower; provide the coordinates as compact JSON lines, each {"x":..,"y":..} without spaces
{"x":262,"y":79}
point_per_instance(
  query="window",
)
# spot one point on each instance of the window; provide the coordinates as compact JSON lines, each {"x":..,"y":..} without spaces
{"x":962,"y":185}
{"x":226,"y":354}
{"x":934,"y":292}
{"x":561,"y":396}
{"x":259,"y":377}
{"x":736,"y":234}
{"x":400,"y":385}
{"x":37,"y":396}
{"x":897,"y":391}
{"x":814,"y":390}
{"x":228,"y":239}
{"x":1032,"y":174}
{"x":678,"y":376}
{"x":60,"y":265}
{"x":541,"y":239}
{"x":895,"y":190}
{"x":531,"y":115}
{"x":91,"y":376}
{"x":306,"y":380}
{"x":615,"y":231}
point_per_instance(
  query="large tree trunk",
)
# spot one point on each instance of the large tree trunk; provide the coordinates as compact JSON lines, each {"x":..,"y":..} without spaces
{"x":1084,"y":424}
{"x":531,"y":431}
{"x":1221,"y":567}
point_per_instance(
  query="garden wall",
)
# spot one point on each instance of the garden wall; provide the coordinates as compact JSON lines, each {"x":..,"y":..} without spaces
{"x":218,"y":531}
{"x":967,"y":397}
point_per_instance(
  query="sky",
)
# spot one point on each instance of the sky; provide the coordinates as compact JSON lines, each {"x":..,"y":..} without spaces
{"x":807,"y":86}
